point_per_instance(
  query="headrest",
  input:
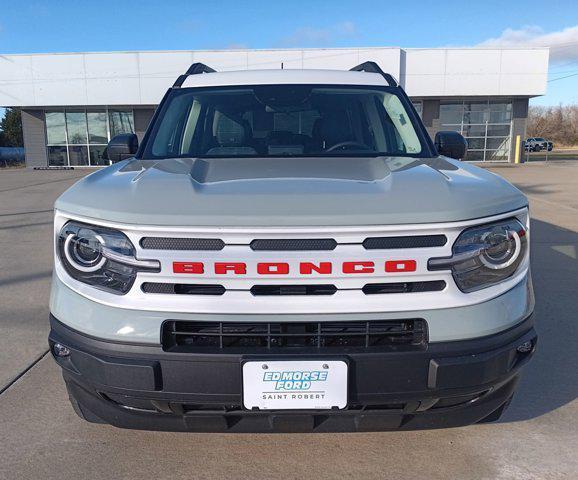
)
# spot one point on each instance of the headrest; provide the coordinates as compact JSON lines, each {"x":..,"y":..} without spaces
{"x":230,"y":133}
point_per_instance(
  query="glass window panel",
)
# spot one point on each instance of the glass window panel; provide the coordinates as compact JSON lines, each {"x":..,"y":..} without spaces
{"x":418,"y":108}
{"x":78,"y":155}
{"x":498,"y":130}
{"x":76,"y":127}
{"x":55,"y":128}
{"x":451,"y":113}
{"x":498,"y":143}
{"x":474,"y":155}
{"x":476,"y":143}
{"x":57,"y":156}
{"x":476,"y":117}
{"x":476,"y":106}
{"x":121,"y":121}
{"x":96,"y":152}
{"x":474,"y":130}
{"x":97,"y":132}
{"x":500,"y":107}
{"x":500,"y":117}
{"x":496,"y":155}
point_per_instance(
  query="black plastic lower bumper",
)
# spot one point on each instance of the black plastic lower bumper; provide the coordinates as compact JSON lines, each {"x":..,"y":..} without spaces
{"x":143,"y":387}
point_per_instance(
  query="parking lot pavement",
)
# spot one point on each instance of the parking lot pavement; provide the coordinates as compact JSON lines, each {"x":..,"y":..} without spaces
{"x":43,"y":438}
{"x":26,"y":200}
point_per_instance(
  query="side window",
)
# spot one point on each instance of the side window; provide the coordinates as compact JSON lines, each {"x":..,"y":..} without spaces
{"x":393,"y":141}
{"x":403,"y":127}
{"x":167,"y":139}
{"x":190,"y":127}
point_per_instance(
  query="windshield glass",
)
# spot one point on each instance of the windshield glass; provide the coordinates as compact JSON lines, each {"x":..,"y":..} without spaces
{"x":283,"y":120}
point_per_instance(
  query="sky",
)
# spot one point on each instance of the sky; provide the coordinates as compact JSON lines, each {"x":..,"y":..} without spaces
{"x":109,"y":25}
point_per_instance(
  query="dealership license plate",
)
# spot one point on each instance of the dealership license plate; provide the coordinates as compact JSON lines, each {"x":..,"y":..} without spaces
{"x":295,"y":385}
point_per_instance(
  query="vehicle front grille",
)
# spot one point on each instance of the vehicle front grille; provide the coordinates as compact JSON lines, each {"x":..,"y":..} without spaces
{"x":258,"y":337}
{"x":291,"y":289}
{"x":293,"y":244}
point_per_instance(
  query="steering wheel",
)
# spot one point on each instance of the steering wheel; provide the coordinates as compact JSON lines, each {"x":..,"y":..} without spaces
{"x":347,"y":144}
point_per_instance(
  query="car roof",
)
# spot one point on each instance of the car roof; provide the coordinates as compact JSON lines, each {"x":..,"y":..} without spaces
{"x":288,"y":76}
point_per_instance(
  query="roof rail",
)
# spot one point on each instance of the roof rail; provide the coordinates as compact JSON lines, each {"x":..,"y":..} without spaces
{"x":372,"y":67}
{"x":194,"y":69}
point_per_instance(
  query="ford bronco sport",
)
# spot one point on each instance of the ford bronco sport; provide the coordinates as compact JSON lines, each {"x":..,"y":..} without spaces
{"x":287,"y":250}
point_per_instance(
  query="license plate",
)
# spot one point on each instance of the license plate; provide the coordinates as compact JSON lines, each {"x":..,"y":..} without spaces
{"x":295,"y":385}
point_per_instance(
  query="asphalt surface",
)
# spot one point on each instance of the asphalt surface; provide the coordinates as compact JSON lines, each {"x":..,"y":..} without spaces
{"x":552,"y":156}
{"x":41,"y":437}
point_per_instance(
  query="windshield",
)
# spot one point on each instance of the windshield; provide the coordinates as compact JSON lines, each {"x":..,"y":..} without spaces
{"x":283,"y":120}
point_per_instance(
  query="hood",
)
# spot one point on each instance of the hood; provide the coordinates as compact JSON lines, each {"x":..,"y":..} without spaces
{"x":336,"y":191}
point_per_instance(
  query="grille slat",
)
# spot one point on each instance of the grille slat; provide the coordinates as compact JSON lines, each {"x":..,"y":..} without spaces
{"x":294,"y":244}
{"x":404,"y":287}
{"x":183,"y":288}
{"x":412,"y":241}
{"x":259,"y":290}
{"x":273,"y":336}
{"x":170,"y":243}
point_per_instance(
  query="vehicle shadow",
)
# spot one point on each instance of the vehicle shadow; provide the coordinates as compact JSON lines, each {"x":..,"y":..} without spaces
{"x":551,"y":379}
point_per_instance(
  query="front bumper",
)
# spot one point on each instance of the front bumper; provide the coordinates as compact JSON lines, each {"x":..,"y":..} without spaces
{"x":446,"y":384}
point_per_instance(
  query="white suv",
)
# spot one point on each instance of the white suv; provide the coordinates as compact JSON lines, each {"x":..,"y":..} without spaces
{"x":289,"y":251}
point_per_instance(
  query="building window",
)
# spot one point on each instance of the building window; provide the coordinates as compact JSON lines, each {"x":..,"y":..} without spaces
{"x":97,"y":127}
{"x":121,"y":121}
{"x":78,"y":137}
{"x":485,"y":124}
{"x":55,"y":128}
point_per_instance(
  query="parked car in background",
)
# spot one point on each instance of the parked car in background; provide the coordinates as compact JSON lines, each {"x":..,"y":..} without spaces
{"x":536,"y":144}
{"x":11,"y":157}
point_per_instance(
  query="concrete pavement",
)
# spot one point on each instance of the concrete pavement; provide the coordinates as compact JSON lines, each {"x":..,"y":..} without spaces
{"x":43,"y":438}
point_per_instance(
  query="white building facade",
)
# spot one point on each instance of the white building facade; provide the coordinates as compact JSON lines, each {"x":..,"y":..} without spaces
{"x":73,"y":103}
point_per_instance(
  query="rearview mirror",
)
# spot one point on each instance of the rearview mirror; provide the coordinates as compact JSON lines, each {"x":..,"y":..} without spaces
{"x":451,"y":144}
{"x":121,"y":147}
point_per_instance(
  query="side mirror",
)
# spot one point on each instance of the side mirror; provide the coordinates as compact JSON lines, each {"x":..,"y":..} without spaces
{"x":451,"y":144}
{"x":121,"y":147}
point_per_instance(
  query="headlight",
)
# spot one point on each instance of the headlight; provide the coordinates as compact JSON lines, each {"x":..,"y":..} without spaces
{"x":101,"y":257}
{"x":486,"y":255}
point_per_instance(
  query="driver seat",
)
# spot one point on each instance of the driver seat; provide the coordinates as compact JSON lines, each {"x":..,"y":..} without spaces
{"x":331,"y":129}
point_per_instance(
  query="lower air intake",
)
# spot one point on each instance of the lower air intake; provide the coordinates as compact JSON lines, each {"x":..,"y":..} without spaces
{"x":257,"y":337}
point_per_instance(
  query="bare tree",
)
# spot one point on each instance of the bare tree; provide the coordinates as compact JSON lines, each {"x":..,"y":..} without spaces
{"x":558,"y":124}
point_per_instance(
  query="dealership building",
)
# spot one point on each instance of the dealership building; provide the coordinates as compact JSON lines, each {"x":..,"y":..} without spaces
{"x":74,"y":103}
